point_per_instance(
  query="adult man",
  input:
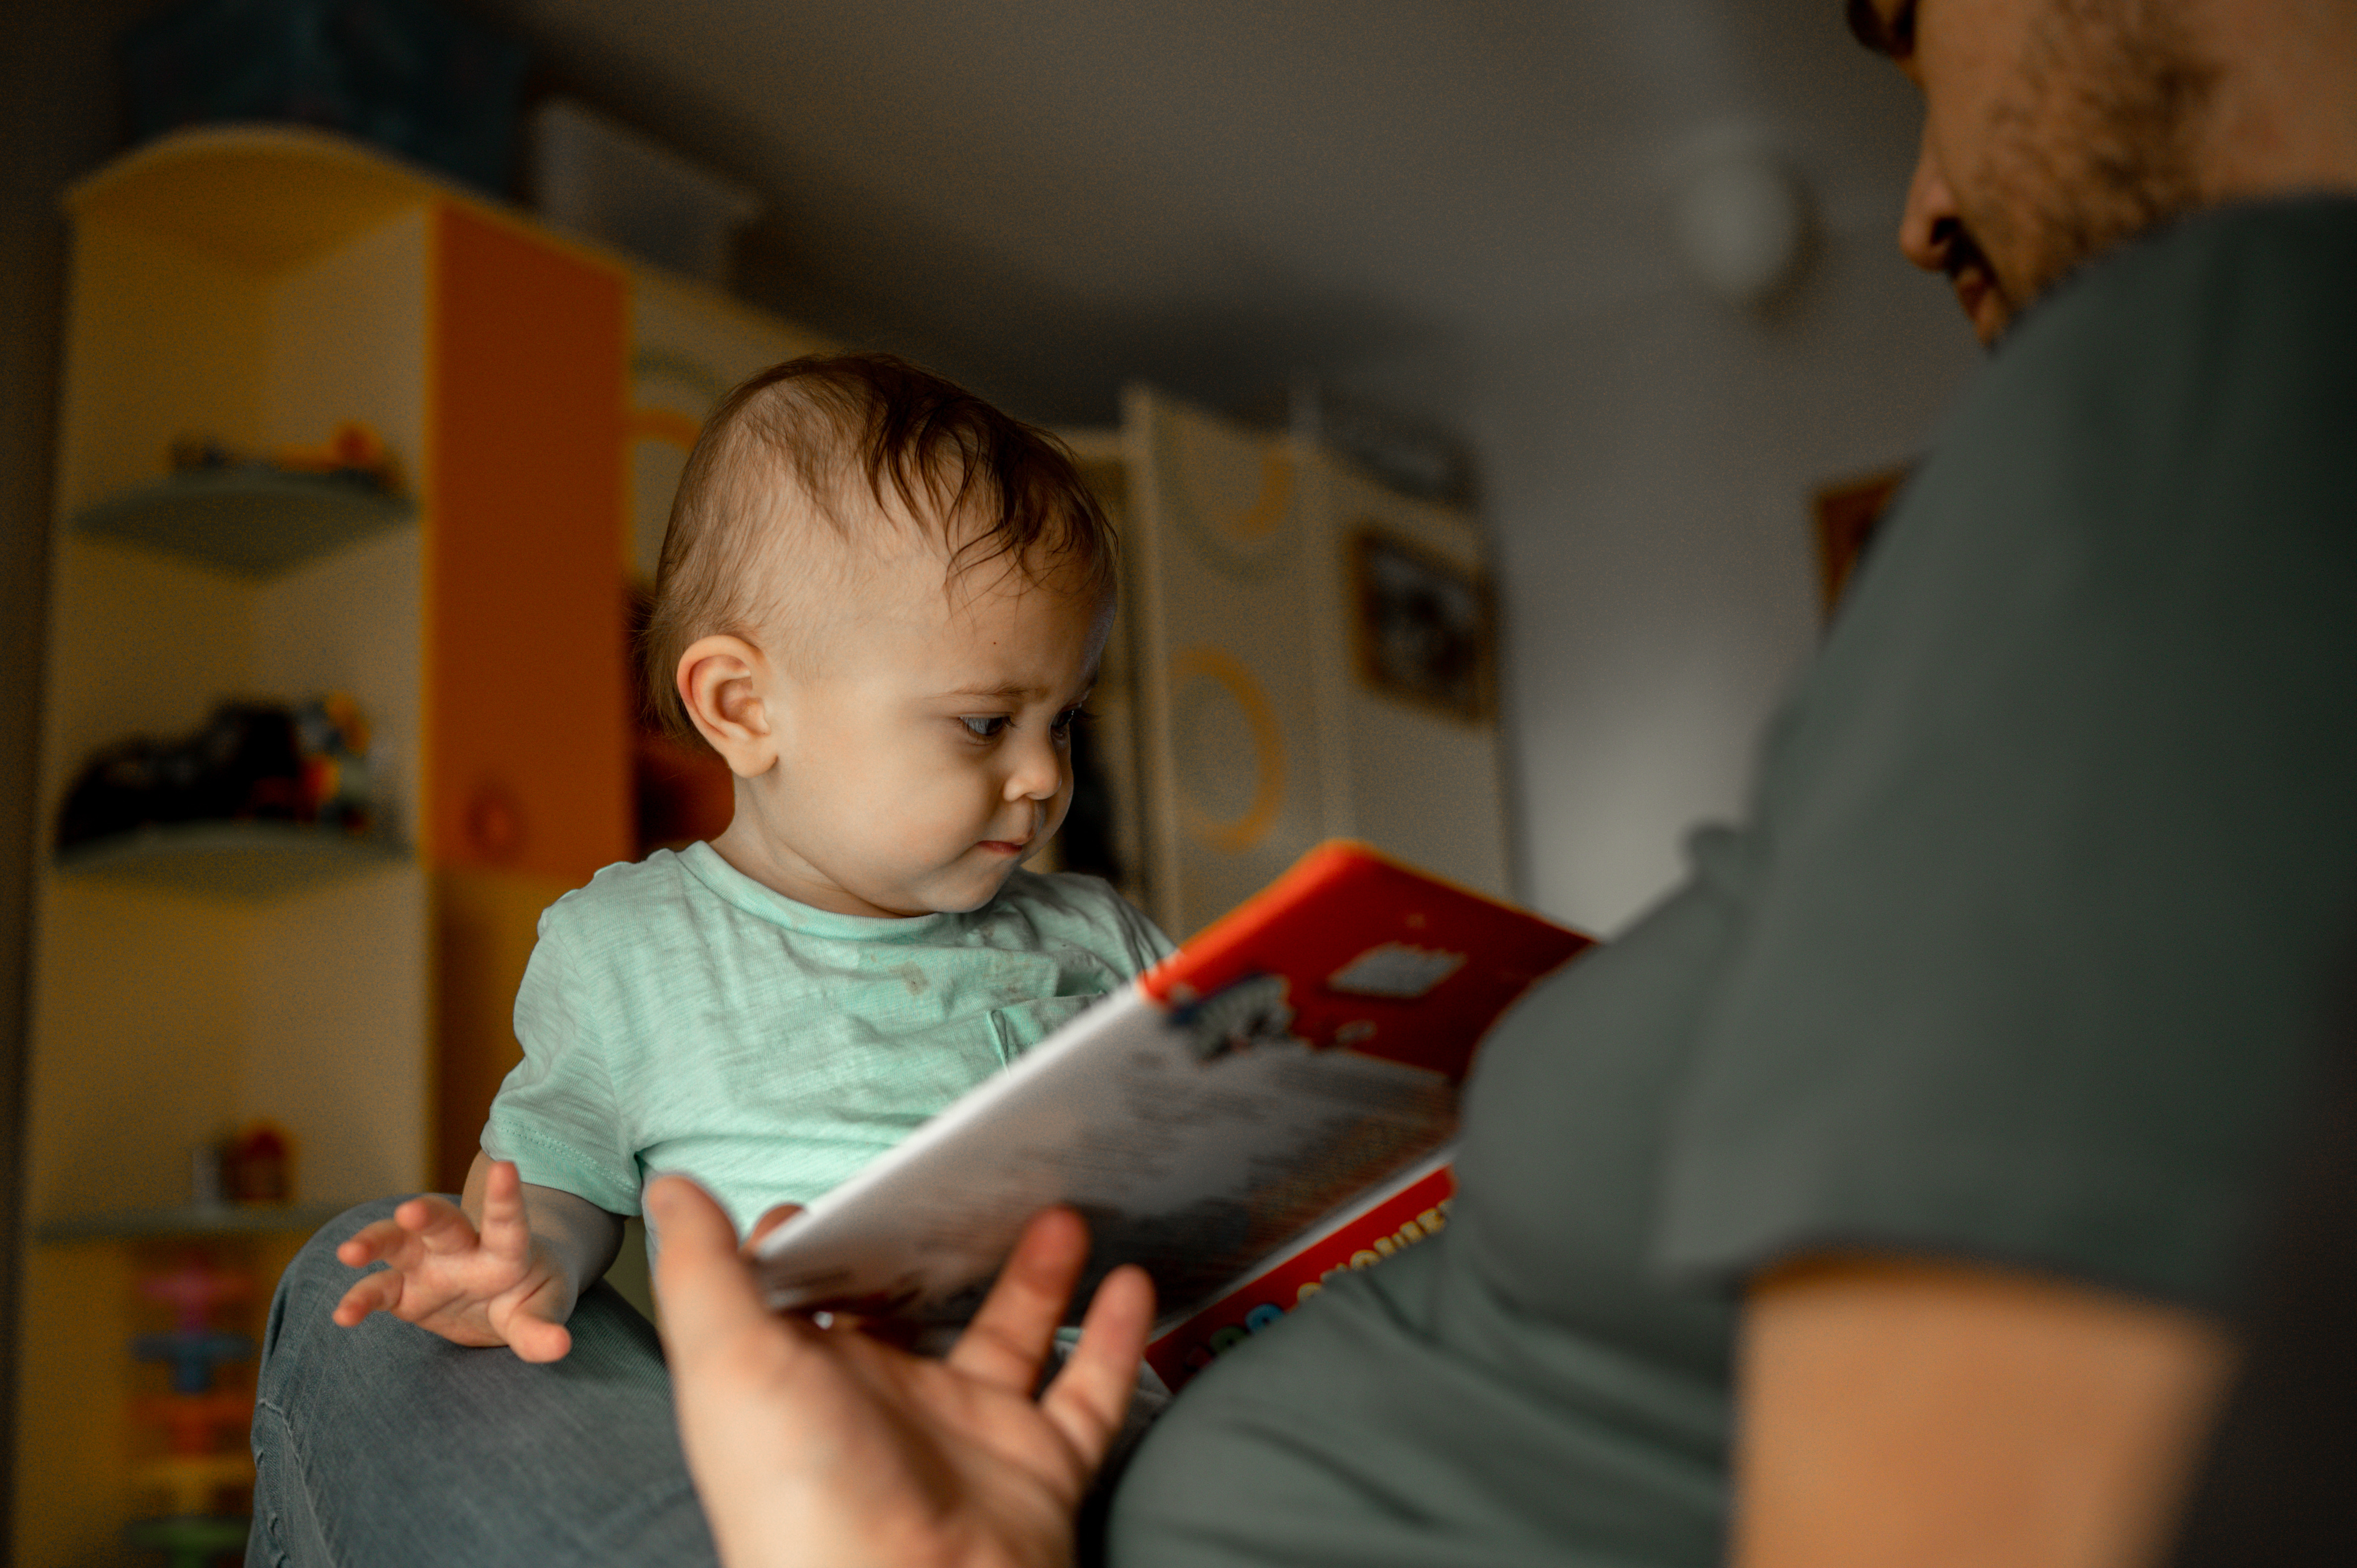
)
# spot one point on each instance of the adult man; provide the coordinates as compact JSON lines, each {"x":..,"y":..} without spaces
{"x":1959,"y":1067}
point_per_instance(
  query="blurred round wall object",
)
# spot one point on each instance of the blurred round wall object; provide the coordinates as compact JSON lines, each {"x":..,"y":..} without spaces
{"x":1744,"y":225}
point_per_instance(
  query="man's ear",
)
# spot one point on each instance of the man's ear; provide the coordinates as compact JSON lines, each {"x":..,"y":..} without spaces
{"x":731,"y":689}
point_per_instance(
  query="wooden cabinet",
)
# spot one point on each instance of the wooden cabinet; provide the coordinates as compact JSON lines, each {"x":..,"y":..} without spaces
{"x":258,"y":287}
{"x":1303,"y":655}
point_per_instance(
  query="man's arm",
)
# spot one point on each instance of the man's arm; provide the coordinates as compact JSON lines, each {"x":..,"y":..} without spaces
{"x":1945,"y":1415}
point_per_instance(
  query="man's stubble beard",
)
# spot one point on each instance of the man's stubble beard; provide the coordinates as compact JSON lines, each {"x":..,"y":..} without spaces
{"x":2096,"y":143}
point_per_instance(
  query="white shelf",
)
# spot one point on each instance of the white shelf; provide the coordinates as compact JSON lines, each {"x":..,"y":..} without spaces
{"x":250,"y":861}
{"x":254,"y":522}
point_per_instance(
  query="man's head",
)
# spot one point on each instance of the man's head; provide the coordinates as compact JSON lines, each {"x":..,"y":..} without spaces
{"x":2055,"y":129}
{"x":881,"y":601}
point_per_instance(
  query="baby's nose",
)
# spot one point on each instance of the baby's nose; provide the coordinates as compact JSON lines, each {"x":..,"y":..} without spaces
{"x":1038,"y":774}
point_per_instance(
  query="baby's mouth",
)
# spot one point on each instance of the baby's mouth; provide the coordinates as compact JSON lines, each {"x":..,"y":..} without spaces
{"x":1016,"y":846}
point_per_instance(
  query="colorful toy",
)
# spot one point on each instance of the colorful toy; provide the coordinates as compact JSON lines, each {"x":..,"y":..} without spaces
{"x":335,"y":741}
{"x":260,"y":1167}
{"x":251,"y":761}
{"x":194,"y":1289}
{"x":192,"y":1356}
{"x":188,"y":1540}
{"x":354,"y":449}
{"x":192,"y":1421}
{"x":204,"y":1474}
{"x":354,"y":455}
{"x":194,"y":1482}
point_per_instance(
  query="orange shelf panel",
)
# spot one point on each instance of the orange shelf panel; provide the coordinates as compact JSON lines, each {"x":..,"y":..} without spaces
{"x":527,"y":752}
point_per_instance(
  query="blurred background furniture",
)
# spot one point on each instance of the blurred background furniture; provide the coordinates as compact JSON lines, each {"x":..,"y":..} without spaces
{"x":1304,"y":654}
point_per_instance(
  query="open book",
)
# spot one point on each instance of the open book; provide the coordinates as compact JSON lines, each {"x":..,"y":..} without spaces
{"x":1288,"y":1077}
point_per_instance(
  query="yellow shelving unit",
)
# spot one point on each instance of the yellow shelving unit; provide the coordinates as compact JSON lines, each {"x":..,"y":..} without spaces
{"x":191,"y":978}
{"x":255,"y":287}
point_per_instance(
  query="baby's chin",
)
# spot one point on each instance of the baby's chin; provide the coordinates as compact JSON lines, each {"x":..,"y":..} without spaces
{"x":949,"y":897}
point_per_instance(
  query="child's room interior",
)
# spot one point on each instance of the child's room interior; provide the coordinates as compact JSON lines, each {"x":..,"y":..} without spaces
{"x":1485,"y":397}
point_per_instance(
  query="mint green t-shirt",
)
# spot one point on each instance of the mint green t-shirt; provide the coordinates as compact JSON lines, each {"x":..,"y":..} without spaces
{"x":678,"y":1015}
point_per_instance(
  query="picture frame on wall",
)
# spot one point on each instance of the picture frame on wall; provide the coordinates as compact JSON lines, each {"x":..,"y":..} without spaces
{"x":1424,"y":626}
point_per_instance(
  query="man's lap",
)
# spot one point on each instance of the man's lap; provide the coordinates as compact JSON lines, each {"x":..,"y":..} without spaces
{"x":387,"y":1445}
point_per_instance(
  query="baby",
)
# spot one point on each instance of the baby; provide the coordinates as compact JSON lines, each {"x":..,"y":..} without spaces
{"x":882,"y":602}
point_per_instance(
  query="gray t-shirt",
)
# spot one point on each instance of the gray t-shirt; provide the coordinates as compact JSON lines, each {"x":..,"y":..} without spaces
{"x":2045,"y":904}
{"x":678,"y":1015}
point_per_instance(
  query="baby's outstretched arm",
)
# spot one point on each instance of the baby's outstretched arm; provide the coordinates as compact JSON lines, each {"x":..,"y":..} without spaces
{"x":505,"y":1267}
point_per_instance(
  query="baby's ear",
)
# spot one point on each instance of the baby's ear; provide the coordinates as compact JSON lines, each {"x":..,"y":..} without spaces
{"x":727,"y":685}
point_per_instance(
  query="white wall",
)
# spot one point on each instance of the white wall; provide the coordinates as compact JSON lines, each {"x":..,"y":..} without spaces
{"x":1648,"y":464}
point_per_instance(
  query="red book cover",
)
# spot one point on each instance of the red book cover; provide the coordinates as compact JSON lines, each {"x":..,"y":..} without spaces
{"x":1410,"y":1211}
{"x":1375,"y":957}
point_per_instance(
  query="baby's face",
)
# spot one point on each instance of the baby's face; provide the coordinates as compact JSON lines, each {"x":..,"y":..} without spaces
{"x":926,"y":751}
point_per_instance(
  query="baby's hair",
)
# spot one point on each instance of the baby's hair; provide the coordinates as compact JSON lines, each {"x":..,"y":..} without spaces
{"x":831,"y":429}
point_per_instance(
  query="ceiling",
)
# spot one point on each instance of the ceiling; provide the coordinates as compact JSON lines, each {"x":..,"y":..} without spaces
{"x":1219,"y":194}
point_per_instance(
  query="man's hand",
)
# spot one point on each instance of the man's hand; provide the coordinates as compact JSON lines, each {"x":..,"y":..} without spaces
{"x":494,"y":1285}
{"x":828,"y":1447}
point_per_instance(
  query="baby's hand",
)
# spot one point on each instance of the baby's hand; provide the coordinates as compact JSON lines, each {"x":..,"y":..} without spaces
{"x":498,"y":1285}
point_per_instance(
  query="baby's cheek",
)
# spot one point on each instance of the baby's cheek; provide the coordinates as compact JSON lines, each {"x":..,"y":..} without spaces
{"x":934,"y":821}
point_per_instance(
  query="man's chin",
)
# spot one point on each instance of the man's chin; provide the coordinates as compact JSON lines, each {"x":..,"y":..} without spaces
{"x":1984,"y":306}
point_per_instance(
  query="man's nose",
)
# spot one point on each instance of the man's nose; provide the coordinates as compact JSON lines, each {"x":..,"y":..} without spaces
{"x":1930,"y":224}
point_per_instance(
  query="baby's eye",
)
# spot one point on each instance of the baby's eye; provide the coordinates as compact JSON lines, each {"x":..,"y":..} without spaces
{"x":1071,"y":719}
{"x":985,"y":726}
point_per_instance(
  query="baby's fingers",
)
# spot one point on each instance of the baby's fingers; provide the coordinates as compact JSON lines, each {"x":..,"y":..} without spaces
{"x":507,"y":1226}
{"x":536,"y":1339}
{"x":420,"y":1229}
{"x":434,"y":1224}
{"x":531,"y":1322}
{"x":371,"y":1242}
{"x":379,"y":1291}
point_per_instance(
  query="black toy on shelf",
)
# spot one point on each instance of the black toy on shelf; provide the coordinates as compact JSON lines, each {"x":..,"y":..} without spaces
{"x":264,"y":800}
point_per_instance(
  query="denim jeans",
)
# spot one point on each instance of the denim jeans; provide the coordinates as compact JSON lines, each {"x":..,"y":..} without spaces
{"x":386,"y":1445}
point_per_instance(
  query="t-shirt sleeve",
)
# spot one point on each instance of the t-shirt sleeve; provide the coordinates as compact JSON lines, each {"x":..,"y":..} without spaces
{"x":555,"y":1115}
{"x":2057,"y":877}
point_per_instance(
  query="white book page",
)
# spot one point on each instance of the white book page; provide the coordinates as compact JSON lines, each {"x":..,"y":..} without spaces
{"x":1195,"y":1142}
